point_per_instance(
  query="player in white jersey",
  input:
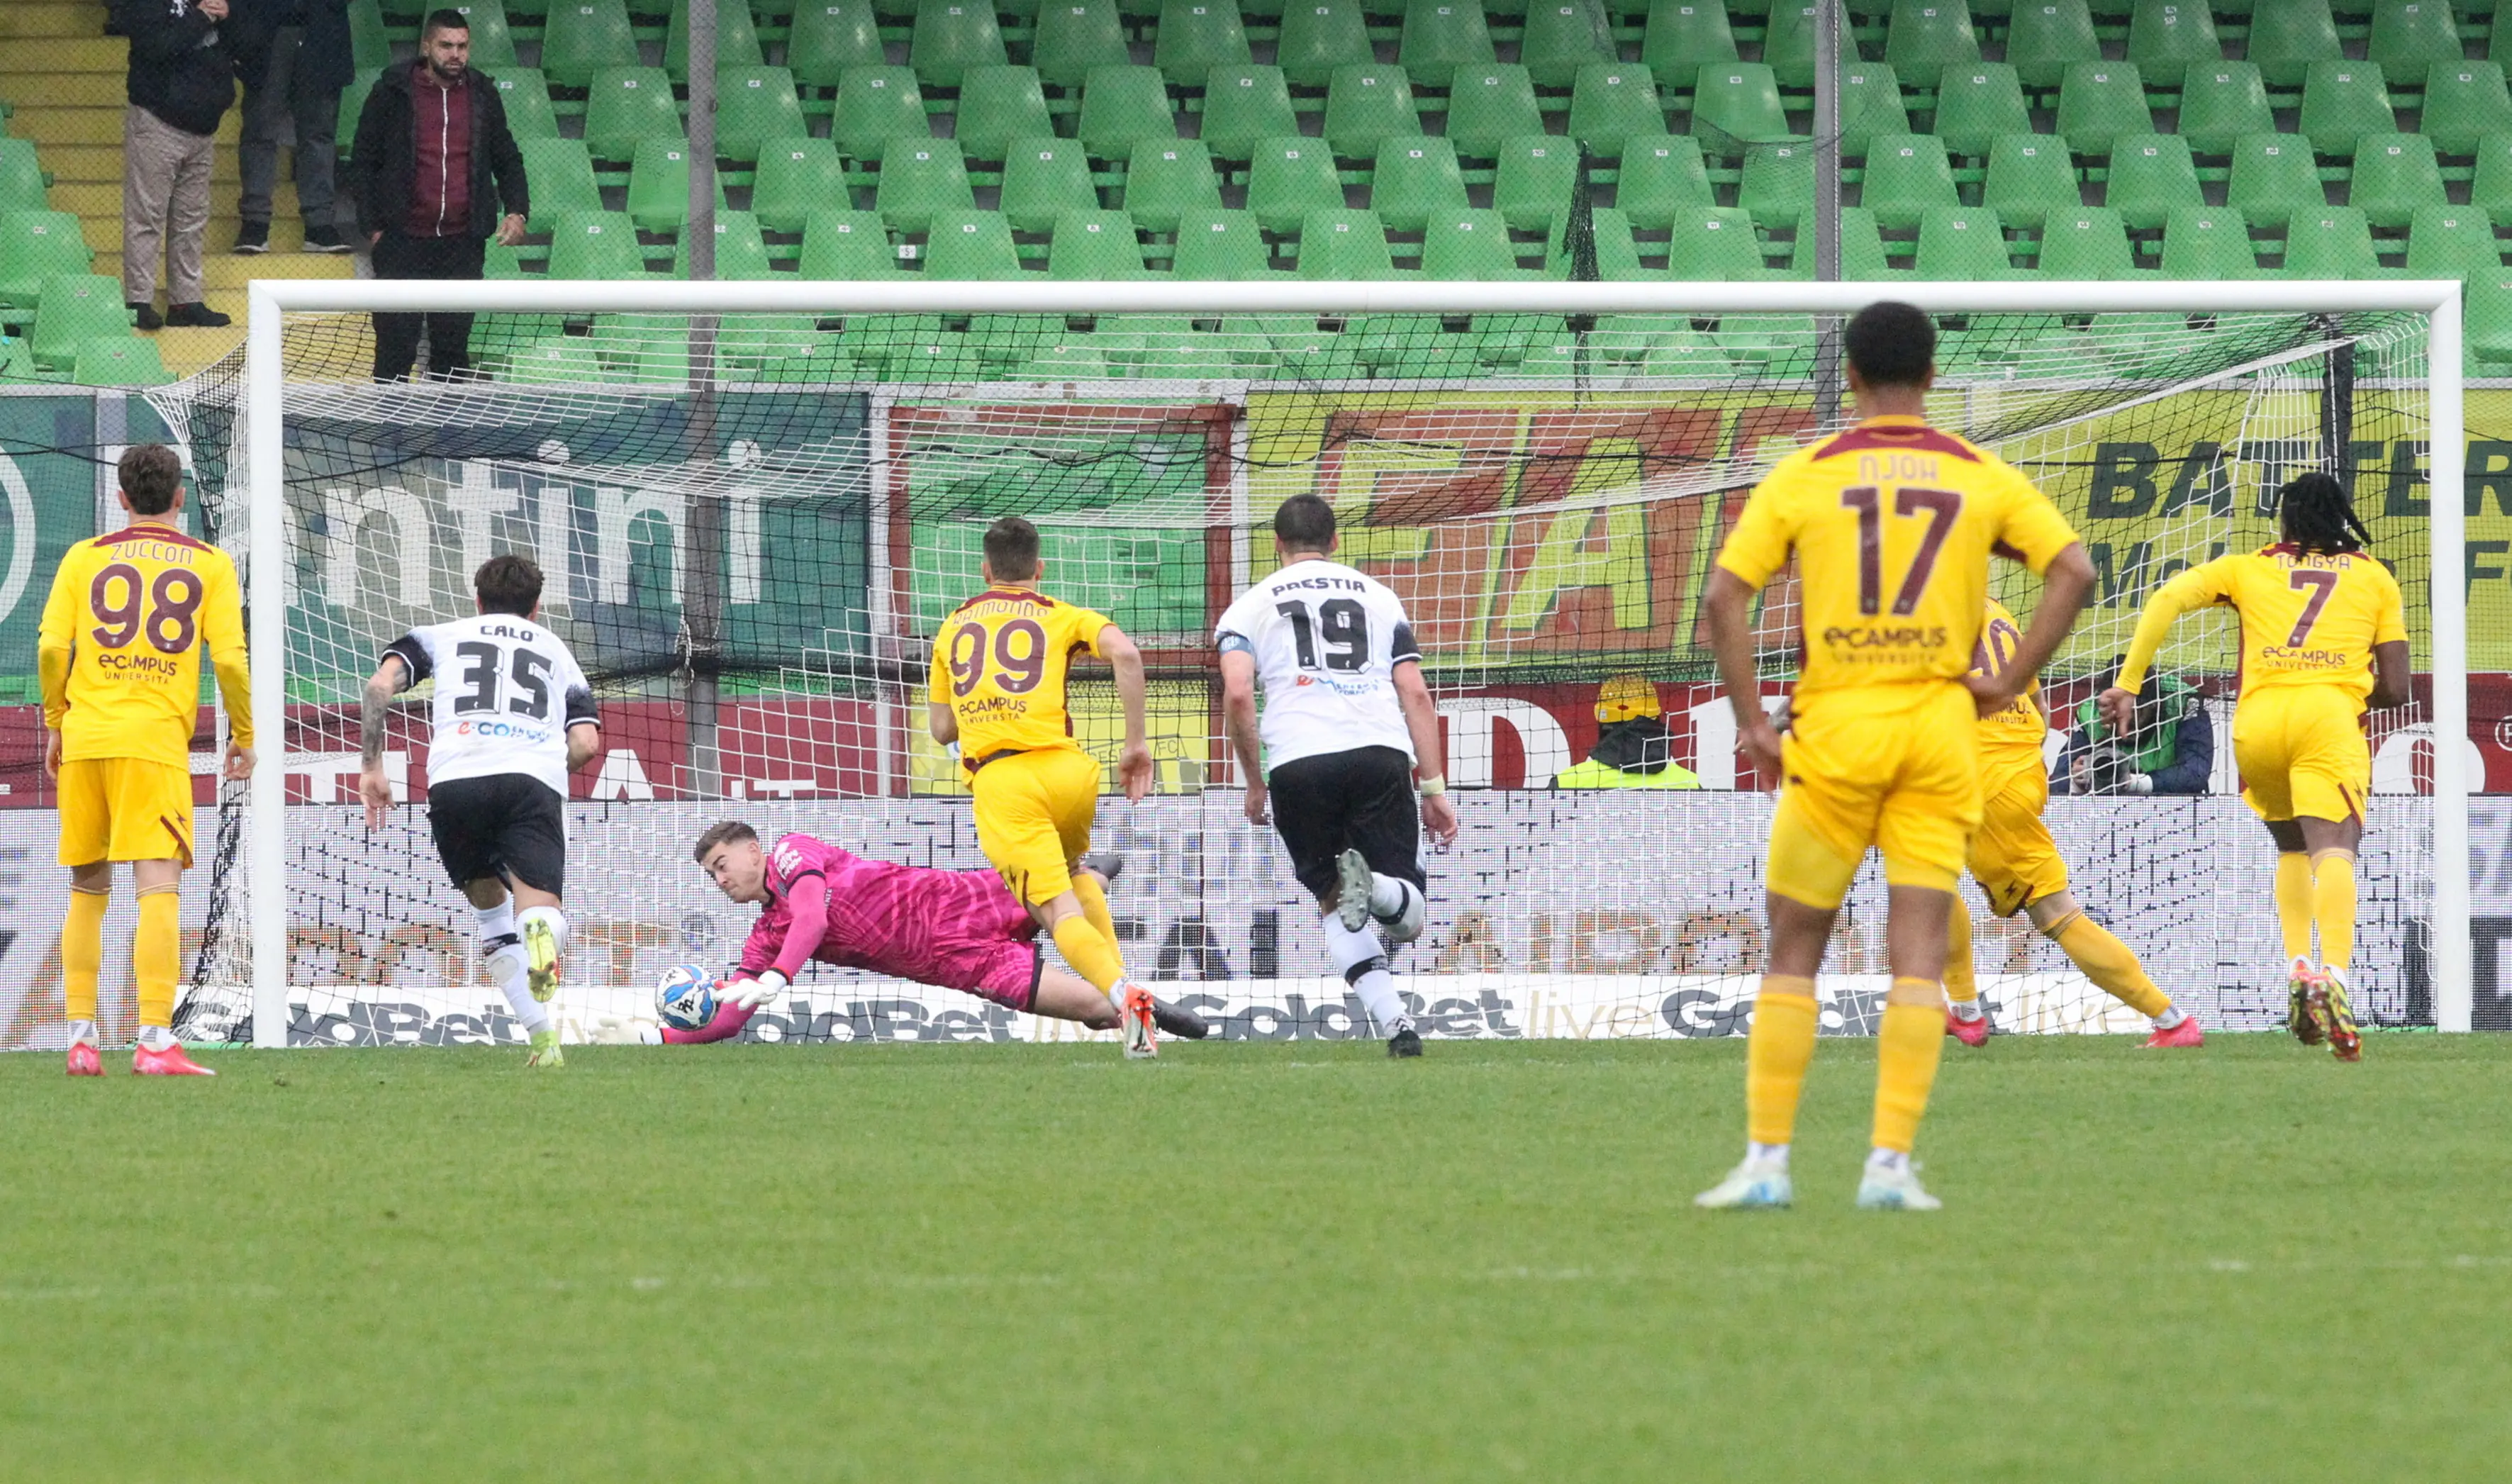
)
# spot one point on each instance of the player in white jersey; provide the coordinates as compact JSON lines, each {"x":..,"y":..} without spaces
{"x":513,"y":715}
{"x":1347,"y":721}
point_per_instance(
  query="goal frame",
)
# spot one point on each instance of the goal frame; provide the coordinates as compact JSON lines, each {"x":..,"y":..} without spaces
{"x":271,"y":299}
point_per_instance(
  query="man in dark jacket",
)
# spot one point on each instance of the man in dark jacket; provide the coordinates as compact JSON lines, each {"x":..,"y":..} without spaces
{"x":294,"y":57}
{"x":2173,"y":752}
{"x":180,"y":81}
{"x":434,"y":160}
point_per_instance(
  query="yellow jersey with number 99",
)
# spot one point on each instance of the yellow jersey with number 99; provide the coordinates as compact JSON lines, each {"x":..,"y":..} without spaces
{"x":1892,"y":524}
{"x":2308,"y":618}
{"x":999,"y":664}
{"x":2016,"y":732}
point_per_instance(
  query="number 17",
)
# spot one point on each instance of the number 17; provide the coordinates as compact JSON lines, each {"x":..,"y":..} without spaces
{"x":1940,"y":505}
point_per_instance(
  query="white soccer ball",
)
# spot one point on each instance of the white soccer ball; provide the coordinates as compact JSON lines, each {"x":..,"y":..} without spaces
{"x":685,"y":998}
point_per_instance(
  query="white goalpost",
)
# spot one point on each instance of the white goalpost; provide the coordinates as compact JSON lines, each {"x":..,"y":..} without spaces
{"x":753,"y":498}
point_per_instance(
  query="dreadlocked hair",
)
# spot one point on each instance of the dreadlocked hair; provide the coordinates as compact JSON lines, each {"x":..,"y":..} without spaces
{"x":2317,"y":515}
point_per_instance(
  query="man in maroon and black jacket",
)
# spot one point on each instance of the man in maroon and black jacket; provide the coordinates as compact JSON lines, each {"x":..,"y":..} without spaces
{"x":434,"y":161}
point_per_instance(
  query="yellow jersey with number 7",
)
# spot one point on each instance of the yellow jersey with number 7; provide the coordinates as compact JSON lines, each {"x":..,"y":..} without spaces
{"x":120,"y":646}
{"x":2308,"y":618}
{"x":999,"y":664}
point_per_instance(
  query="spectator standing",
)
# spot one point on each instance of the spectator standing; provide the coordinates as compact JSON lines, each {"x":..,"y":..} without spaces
{"x":181,"y":80}
{"x":434,"y":160}
{"x":294,"y":57}
{"x":1634,"y":749}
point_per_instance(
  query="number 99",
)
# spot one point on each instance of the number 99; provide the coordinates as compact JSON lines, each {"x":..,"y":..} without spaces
{"x":968,"y":658}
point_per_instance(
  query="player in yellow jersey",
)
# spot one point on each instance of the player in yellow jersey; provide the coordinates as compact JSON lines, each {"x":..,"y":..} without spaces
{"x":1892,"y":525}
{"x":2020,"y":869}
{"x":998,"y":691}
{"x":119,"y":653}
{"x":2323,"y":633}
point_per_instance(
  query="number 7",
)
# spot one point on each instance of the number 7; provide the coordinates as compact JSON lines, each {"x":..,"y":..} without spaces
{"x":2322,"y":584}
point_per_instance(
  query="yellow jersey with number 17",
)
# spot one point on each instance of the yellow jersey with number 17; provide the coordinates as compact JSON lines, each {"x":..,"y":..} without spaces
{"x":2308,"y":618}
{"x":999,"y":664}
{"x":2014,"y":733}
{"x":1892,"y":524}
{"x":119,"y":649}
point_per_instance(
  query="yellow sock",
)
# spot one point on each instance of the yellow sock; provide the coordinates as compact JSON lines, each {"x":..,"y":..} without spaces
{"x":2108,"y":962}
{"x":1094,"y":906}
{"x":82,"y":952}
{"x":2294,"y":902}
{"x":1907,"y":1047}
{"x":2332,"y":907}
{"x":1092,"y":955}
{"x":157,"y":954}
{"x":1961,"y":986}
{"x":1776,"y":1055}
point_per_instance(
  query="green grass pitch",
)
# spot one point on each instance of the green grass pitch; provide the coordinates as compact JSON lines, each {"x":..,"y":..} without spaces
{"x":1253,"y":1262}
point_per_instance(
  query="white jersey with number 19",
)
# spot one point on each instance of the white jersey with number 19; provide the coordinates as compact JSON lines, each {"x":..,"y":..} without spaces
{"x":506,"y":692}
{"x":1326,"y":641}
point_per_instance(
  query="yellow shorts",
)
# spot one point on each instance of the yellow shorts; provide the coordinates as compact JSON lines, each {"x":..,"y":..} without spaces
{"x":1903,"y":778}
{"x":125,"y":809}
{"x":2011,"y":854}
{"x":1034,"y":815}
{"x":2302,"y":753}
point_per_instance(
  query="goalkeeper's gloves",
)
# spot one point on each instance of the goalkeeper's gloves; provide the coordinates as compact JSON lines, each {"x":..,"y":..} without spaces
{"x":611,"y":1031}
{"x":2138,"y":783}
{"x":751,"y":993}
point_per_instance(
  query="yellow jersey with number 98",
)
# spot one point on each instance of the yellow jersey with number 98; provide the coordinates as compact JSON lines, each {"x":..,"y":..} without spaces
{"x":999,"y":664}
{"x":1892,"y":524}
{"x":120,"y":645}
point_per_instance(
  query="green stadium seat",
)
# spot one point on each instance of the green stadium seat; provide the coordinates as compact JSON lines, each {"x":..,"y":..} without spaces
{"x":1660,"y":175}
{"x":119,"y":359}
{"x":22,"y":178}
{"x":1288,"y":178}
{"x":1612,"y":101}
{"x":1094,"y":246}
{"x":2047,"y":37}
{"x":2203,"y":242}
{"x":2465,"y":103}
{"x":1928,"y":36}
{"x":972,"y":245}
{"x":1220,"y":246}
{"x":950,"y":36}
{"x":1536,"y":175}
{"x":1339,"y":243}
{"x":1687,"y":353}
{"x":2089,"y":245}
{"x":2274,"y":178}
{"x":561,"y":175}
{"x":753,"y":105}
{"x":1074,"y":358}
{"x":1441,"y":36}
{"x":2410,"y":36}
{"x":1075,"y":35}
{"x":2342,"y":102}
{"x":1122,"y":107}
{"x":1684,"y":36}
{"x":919,"y":178}
{"x":2291,"y":37}
{"x":2452,"y":241}
{"x":1712,"y":244}
{"x":596,"y":244}
{"x":997,"y":105}
{"x":35,"y":246}
{"x":1366,"y":105}
{"x":353,"y":104}
{"x":2221,"y":102}
{"x":1489,"y":105}
{"x":1168,"y":178}
{"x":1778,"y":186}
{"x":1416,"y":178}
{"x":796,"y":176}
{"x":1468,"y":247}
{"x":1732,"y":106}
{"x":73,"y":308}
{"x":832,"y":38}
{"x":2489,"y":188}
{"x":492,"y":43}
{"x":1618,"y":256}
{"x":1244,"y":107}
{"x":2489,"y":320}
{"x":370,"y":43}
{"x":658,"y":187}
{"x":584,"y":37}
{"x":1562,"y":38}
{"x":1767,"y":344}
{"x":1788,"y":47}
{"x":2166,"y":38}
{"x":741,"y":251}
{"x":1978,"y":105}
{"x":2152,"y":177}
{"x":876,"y":106}
{"x":1963,"y":242}
{"x":2031,"y":178}
{"x":2099,"y":102}
{"x":1319,"y":36}
{"x":1906,"y":177}
{"x":647,"y":348}
{"x":749,"y":345}
{"x":526,"y":100}
{"x":1196,"y":37}
{"x":841,"y":244}
{"x":628,"y":106}
{"x":736,"y":39}
{"x":1042,"y":180}
{"x":1861,"y":246}
{"x":2334,"y":242}
{"x":2395,"y":174}
{"x":1870,"y":104}
{"x":557,"y":361}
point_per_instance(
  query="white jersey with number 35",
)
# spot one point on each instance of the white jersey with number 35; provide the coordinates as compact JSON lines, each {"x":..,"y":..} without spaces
{"x":1326,"y":641}
{"x":506,"y":691}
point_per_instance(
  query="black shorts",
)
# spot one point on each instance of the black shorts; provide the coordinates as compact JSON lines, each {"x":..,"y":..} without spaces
{"x":1359,"y":800}
{"x":504,"y":825}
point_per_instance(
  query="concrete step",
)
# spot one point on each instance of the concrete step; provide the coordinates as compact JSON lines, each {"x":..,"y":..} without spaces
{"x":95,"y":200}
{"x":51,"y":125}
{"x":226,"y":270}
{"x":95,"y":52}
{"x":51,"y":20}
{"x":82,"y":164}
{"x":187,"y":351}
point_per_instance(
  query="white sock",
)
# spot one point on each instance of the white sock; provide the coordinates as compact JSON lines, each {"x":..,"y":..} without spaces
{"x":1398,"y":905}
{"x":156,"y":1037}
{"x":1773,"y":1155}
{"x":1887,"y":1161}
{"x":2169,"y":1018}
{"x":554,"y":916}
{"x":82,"y":1031}
{"x":511,"y":967}
{"x":1375,"y":986}
{"x":1967,"y":1010}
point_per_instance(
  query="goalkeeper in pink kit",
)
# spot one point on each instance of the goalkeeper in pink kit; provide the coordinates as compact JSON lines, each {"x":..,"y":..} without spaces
{"x":957,"y":929}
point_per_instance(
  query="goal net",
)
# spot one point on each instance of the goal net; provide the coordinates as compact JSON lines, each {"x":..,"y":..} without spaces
{"x":753,"y":522}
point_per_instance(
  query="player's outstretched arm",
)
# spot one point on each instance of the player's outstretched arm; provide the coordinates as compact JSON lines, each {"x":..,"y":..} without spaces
{"x":1422,"y":724}
{"x":381,"y":686}
{"x":1239,"y":723}
{"x":1726,"y":611}
{"x":2066,"y":584}
{"x":2192,"y":589}
{"x":1134,"y":760}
